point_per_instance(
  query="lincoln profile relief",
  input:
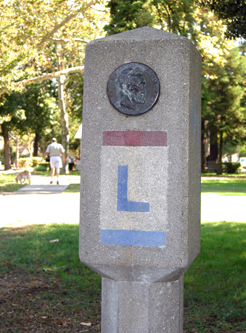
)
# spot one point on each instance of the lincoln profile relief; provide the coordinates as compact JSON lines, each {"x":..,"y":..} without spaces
{"x":133,"y":89}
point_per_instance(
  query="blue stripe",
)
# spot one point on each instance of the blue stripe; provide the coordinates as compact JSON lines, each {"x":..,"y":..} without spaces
{"x":122,"y":203}
{"x":133,"y":237}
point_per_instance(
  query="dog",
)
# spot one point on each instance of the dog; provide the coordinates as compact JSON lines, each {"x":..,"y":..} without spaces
{"x":22,"y":176}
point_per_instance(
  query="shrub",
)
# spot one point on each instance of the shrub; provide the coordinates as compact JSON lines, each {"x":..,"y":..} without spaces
{"x":35,"y":161}
{"x":232,"y":167}
{"x":40,"y":168}
{"x":43,"y":166}
{"x":24,"y":162}
{"x":25,"y":155}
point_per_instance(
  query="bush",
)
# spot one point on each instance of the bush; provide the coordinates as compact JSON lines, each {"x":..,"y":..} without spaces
{"x":232,"y":167}
{"x":24,"y":162}
{"x":35,"y":161}
{"x":40,"y":168}
{"x":43,"y":166}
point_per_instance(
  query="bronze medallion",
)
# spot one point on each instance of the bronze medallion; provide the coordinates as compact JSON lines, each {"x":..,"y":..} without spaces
{"x":133,"y":89}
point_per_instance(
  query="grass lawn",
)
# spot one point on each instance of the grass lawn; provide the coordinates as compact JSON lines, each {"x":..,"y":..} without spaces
{"x":8,"y":184}
{"x":72,"y":188}
{"x":215,"y":284}
{"x":43,"y":285}
{"x":45,"y":288}
{"x":224,"y":185}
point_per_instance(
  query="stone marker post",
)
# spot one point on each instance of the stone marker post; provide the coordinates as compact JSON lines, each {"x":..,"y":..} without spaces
{"x":140,"y":176}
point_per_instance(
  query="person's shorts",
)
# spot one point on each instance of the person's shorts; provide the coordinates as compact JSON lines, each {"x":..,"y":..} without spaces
{"x":55,"y":162}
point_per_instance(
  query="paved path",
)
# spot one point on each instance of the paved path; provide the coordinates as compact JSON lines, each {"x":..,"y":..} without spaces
{"x":40,"y":185}
{"x":39,"y":203}
{"x":216,"y":208}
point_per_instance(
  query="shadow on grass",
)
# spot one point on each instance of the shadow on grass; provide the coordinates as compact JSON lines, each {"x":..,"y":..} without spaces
{"x":215,"y":284}
{"x":45,"y":288}
{"x":224,"y":186}
{"x":8,"y":183}
{"x":72,"y":188}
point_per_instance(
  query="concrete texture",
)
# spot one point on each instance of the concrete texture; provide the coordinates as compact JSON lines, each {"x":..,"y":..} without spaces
{"x":130,"y":307}
{"x":178,"y":66}
{"x":140,"y":204}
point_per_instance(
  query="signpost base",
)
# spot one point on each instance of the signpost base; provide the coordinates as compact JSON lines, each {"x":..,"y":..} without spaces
{"x":139,"y":307}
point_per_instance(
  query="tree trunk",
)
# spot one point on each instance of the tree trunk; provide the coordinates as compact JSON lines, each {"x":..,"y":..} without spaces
{"x":64,"y":116}
{"x":213,"y":145}
{"x":219,"y":170}
{"x":17,"y":151}
{"x":36,"y":144}
{"x":7,"y":159}
{"x":30,"y":149}
{"x":64,"y":121}
{"x":203,"y":158}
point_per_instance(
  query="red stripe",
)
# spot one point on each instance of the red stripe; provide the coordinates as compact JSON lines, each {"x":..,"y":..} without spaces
{"x":135,"y":138}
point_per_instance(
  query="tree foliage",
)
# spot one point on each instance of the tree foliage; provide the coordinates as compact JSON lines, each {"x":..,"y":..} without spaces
{"x":128,"y":15}
{"x":41,"y":112}
{"x":233,"y":12}
{"x":29,"y":30}
{"x":175,"y":16}
{"x":226,"y":110}
{"x":41,"y":40}
{"x":32,"y":112}
{"x":12,"y":117}
{"x":223,"y":106}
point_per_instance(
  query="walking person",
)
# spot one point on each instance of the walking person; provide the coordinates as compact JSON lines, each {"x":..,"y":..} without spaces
{"x":55,"y":150}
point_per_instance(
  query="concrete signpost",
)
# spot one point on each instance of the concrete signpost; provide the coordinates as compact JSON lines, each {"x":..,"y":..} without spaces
{"x":140,"y":175}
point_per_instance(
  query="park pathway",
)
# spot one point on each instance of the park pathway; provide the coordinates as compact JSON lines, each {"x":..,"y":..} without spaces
{"x":216,"y":208}
{"x":40,"y":185}
{"x":39,"y":203}
{"x":42,"y":203}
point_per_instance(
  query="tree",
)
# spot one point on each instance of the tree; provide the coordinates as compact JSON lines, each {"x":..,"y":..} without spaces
{"x":45,"y":39}
{"x":233,"y":12}
{"x":12,"y":119}
{"x":30,"y":112}
{"x":128,"y":15}
{"x":169,"y":15}
{"x":175,"y":16}
{"x":214,"y":49}
{"x":40,"y":108}
{"x":74,"y":101}
{"x":29,"y":30}
{"x":226,"y":109}
{"x":203,"y":27}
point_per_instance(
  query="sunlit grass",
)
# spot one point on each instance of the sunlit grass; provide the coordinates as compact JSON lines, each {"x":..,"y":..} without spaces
{"x":223,"y":185}
{"x":8,"y":183}
{"x":44,"y":261}
{"x":214,"y":285}
{"x":73,"y":188}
